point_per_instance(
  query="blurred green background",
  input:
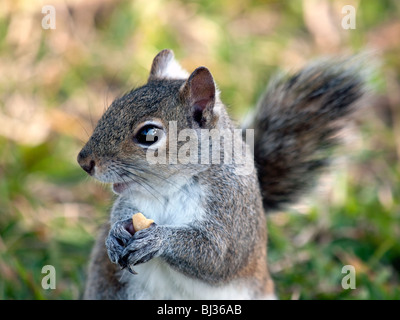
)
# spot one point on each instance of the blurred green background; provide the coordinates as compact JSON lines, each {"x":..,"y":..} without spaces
{"x":55,"y":84}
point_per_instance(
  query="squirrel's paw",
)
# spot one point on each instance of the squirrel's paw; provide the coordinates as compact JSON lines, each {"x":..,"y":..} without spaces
{"x":143,"y":246}
{"x":117,"y":240}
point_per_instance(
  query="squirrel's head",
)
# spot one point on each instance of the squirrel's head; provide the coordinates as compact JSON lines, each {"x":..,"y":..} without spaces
{"x":137,"y":140}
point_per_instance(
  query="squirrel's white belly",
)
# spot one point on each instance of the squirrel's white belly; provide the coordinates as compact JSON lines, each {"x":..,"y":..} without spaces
{"x":156,"y":280}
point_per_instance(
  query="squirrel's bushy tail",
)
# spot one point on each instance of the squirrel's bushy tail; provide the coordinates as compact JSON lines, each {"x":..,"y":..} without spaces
{"x":297,"y":121}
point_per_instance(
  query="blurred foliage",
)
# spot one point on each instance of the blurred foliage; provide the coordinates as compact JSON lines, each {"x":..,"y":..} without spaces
{"x":55,"y":84}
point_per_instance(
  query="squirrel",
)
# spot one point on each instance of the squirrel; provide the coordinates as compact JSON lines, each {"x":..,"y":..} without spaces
{"x":209,"y":236}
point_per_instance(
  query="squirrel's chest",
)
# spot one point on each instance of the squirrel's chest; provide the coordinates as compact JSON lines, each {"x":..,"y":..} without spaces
{"x":178,"y":208}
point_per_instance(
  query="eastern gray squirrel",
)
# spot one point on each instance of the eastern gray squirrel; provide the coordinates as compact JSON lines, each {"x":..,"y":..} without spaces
{"x":209,"y":239}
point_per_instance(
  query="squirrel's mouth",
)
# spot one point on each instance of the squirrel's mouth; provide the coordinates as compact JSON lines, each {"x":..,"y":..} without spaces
{"x":120,"y":187}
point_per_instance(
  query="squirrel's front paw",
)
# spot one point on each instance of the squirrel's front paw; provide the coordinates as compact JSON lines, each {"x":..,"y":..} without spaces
{"x":117,"y":240}
{"x":143,"y":246}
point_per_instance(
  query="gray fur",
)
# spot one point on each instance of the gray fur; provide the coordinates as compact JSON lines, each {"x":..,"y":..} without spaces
{"x":296,"y":126}
{"x":295,"y":121}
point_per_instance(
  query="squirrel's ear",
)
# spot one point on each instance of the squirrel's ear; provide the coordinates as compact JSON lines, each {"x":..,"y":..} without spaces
{"x":199,"y":92}
{"x":166,"y":67}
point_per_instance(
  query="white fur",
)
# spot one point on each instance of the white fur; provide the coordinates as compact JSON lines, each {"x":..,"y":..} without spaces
{"x":182,"y":206}
{"x":172,"y":70}
{"x":156,"y":279}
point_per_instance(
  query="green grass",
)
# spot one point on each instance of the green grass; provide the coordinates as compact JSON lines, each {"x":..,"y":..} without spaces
{"x":55,"y":84}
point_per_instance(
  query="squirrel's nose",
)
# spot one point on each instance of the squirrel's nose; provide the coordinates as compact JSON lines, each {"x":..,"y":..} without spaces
{"x":89,"y":167}
{"x":87,"y":163}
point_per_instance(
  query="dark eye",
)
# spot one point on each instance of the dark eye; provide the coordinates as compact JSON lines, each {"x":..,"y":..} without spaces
{"x":147,"y":135}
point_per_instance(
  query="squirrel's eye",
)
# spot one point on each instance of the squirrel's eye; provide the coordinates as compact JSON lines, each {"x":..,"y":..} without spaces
{"x":147,"y":135}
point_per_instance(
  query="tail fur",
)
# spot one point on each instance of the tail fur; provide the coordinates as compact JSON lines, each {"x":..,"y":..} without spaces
{"x":296,"y":124}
